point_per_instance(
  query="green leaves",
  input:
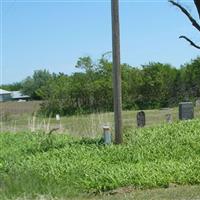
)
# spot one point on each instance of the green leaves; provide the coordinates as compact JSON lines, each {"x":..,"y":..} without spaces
{"x":153,"y":85}
{"x":31,"y":85}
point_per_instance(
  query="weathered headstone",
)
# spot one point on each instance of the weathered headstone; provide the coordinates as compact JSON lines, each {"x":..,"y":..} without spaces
{"x":168,"y":118}
{"x":141,"y":121}
{"x":186,"y":110}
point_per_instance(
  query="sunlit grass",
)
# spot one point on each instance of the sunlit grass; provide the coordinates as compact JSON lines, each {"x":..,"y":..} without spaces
{"x":64,"y":166}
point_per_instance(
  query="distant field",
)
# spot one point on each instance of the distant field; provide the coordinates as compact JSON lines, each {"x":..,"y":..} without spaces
{"x":18,"y":108}
{"x":20,"y":116}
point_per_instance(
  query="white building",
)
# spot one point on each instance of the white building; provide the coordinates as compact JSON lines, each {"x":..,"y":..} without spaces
{"x":5,"y":95}
{"x":12,"y":96}
{"x":17,"y":95}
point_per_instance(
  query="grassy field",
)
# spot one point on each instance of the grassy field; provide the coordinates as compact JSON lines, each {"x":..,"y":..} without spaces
{"x":66,"y":167}
{"x":19,"y":108}
{"x":22,"y":116}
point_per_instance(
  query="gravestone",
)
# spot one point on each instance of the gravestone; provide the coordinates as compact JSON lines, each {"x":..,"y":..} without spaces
{"x":168,"y":118}
{"x":57,"y":117}
{"x":58,"y":126}
{"x":141,"y":121}
{"x":186,"y":110}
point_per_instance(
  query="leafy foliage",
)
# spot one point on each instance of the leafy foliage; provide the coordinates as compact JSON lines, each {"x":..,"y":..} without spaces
{"x":31,"y":85}
{"x":12,"y":87}
{"x":154,"y":85}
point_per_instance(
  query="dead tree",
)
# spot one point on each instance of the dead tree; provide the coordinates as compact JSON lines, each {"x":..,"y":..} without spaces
{"x":194,"y":22}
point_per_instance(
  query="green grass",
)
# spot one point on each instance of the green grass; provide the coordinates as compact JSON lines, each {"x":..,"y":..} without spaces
{"x":62,"y":166}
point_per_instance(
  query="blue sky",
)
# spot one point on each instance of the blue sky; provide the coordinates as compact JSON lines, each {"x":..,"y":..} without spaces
{"x":54,"y":34}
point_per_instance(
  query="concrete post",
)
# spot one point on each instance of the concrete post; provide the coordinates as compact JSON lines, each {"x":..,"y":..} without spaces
{"x":107,"y":135}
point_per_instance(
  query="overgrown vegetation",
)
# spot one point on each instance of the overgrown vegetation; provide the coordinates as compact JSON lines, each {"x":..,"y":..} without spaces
{"x":153,"y":85}
{"x":59,"y":165}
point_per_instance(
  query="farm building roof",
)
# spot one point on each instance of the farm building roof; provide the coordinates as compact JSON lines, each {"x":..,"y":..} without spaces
{"x":18,"y":95}
{"x":4,"y":92}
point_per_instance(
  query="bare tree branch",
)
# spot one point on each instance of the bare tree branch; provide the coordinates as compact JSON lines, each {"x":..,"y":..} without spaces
{"x":192,"y":20}
{"x":197,"y":4}
{"x":190,"y":41}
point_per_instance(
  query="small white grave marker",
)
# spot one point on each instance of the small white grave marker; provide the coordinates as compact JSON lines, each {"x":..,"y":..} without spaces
{"x":58,"y":117}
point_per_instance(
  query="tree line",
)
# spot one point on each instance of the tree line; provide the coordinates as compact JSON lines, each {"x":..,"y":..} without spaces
{"x":153,"y":85}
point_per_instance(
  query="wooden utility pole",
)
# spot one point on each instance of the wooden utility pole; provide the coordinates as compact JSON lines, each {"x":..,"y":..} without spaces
{"x":116,"y":71}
